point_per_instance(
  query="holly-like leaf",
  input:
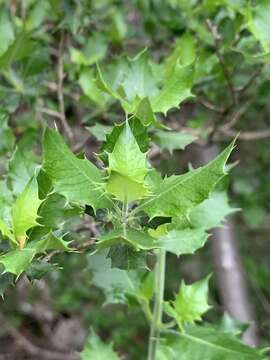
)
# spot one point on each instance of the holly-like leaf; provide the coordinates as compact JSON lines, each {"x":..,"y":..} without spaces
{"x":100,"y":131}
{"x":176,"y":89}
{"x":132,"y":237}
{"x":7,"y":232}
{"x":6,"y":31}
{"x":205,"y":343}
{"x":88,"y":84}
{"x":97,"y":349}
{"x":25,"y":211}
{"x":17,"y":261}
{"x":7,"y":137}
{"x":177,"y":195}
{"x":50,"y":242}
{"x":259,"y":22}
{"x":21,"y":168}
{"x":172,"y":140}
{"x":180,"y":242}
{"x":117,"y":284}
{"x":127,"y":166}
{"x":190,"y":303}
{"x":78,"y":180}
{"x":201,"y":217}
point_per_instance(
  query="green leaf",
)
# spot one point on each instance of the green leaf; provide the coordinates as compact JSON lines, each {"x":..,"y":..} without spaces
{"x":6,"y":134}
{"x":144,"y":112}
{"x":127,"y":258}
{"x":123,"y":188}
{"x":21,"y":47}
{"x":17,"y":261}
{"x":177,"y":195}
{"x":117,"y":284}
{"x":201,"y":217}
{"x":50,"y":242}
{"x":176,"y":89}
{"x":205,"y":343}
{"x":180,"y":242}
{"x":77,"y":179}
{"x":6,"y":31}
{"x":190,"y":303}
{"x":21,"y":168}
{"x":25,"y":211}
{"x":259,"y":22}
{"x":98,"y":350}
{"x":100,"y":131}
{"x":93,"y":51}
{"x":184,"y":51}
{"x":127,"y":165}
{"x":172,"y":140}
{"x":134,"y":238}
{"x":6,"y":231}
{"x":88,"y":84}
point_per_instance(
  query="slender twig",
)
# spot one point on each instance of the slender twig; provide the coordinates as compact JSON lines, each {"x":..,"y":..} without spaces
{"x":237,"y":115}
{"x":246,"y":135}
{"x":210,"y":106}
{"x":250,"y":81}
{"x":60,"y":93}
{"x":51,"y":113}
{"x":216,"y":37}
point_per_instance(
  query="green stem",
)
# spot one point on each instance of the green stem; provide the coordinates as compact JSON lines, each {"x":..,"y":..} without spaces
{"x":158,"y":304}
{"x":125,"y":216}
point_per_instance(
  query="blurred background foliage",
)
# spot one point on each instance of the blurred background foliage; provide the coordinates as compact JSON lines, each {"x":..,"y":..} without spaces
{"x":48,"y":55}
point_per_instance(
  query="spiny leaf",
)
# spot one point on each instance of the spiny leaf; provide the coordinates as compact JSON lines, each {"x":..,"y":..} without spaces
{"x":211,"y":212}
{"x":7,"y":232}
{"x":50,"y":242}
{"x":17,"y":261}
{"x":25,"y":211}
{"x":134,"y":238}
{"x":77,"y":179}
{"x":97,"y":349}
{"x":172,"y":140}
{"x":180,"y":242}
{"x":177,"y":195}
{"x":190,"y":303}
{"x":205,"y":343}
{"x":176,"y":89}
{"x":127,"y":165}
{"x":117,"y":284}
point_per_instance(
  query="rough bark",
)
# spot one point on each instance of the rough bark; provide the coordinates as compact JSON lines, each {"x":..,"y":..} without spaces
{"x":229,"y":272}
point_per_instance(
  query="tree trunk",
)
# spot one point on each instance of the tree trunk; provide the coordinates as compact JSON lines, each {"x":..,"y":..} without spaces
{"x":231,"y":280}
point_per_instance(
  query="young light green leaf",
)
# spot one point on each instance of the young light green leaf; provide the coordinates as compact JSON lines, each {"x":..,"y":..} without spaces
{"x":25,"y":211}
{"x":97,"y":349}
{"x":77,"y":179}
{"x":177,"y":195}
{"x":127,"y":164}
{"x":17,"y":261}
{"x":144,"y":112}
{"x":190,"y":303}
{"x":180,"y":242}
{"x":172,"y":140}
